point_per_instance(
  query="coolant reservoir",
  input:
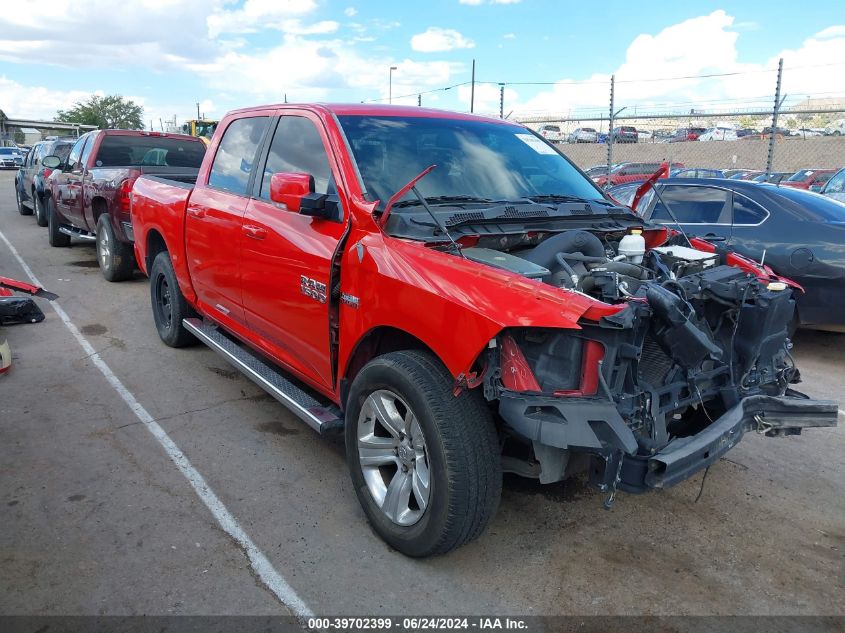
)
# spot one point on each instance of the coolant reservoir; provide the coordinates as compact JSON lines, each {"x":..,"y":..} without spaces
{"x":633,"y":247}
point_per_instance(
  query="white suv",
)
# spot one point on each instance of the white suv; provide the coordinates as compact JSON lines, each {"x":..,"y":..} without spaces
{"x":551,"y":133}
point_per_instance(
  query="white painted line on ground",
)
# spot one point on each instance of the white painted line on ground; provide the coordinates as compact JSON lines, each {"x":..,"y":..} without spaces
{"x":259,"y":562}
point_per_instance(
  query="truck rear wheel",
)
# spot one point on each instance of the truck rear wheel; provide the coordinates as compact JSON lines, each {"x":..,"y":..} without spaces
{"x":22,"y":209}
{"x":54,"y":236}
{"x":116,"y":258}
{"x":40,"y":209}
{"x":169,"y":304}
{"x":425,"y":464}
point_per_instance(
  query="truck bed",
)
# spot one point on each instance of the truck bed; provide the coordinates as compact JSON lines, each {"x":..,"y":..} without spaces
{"x":159,"y":204}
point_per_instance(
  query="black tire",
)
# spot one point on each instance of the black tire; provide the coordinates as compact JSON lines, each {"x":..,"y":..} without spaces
{"x":40,"y":210}
{"x":116,"y":258}
{"x":462,"y":453}
{"x":55,"y":238}
{"x":22,"y":209}
{"x":169,"y":304}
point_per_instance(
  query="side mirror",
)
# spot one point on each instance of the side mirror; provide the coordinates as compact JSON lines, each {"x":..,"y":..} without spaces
{"x":296,"y":192}
{"x":51,"y":162}
{"x":288,"y":189}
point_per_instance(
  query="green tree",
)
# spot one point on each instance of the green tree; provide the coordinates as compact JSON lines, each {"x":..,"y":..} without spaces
{"x":108,"y":112}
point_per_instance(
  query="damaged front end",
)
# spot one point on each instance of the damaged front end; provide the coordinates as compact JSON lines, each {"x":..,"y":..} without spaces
{"x":698,"y":355}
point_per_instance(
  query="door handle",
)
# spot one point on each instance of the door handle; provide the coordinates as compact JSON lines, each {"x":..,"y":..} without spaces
{"x":197,"y":213}
{"x":255,"y":232}
{"x":712,"y":237}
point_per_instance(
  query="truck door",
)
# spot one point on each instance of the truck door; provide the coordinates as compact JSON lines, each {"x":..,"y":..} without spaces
{"x":69,"y":182}
{"x":284,"y":254}
{"x":214,"y":218}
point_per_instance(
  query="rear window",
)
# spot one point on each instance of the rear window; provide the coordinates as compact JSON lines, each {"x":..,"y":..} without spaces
{"x":149,"y":151}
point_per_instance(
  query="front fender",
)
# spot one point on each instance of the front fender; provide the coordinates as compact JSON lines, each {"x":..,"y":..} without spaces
{"x":454,"y":306}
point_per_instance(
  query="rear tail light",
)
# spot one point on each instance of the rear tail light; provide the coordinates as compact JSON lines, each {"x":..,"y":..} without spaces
{"x":124,"y":195}
{"x":47,"y":172}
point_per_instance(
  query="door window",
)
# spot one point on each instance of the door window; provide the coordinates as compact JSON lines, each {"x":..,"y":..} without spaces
{"x":86,"y":153}
{"x":75,"y":153}
{"x":746,"y":211}
{"x":235,"y":156}
{"x":297,"y":147}
{"x":693,"y":205}
{"x":836,"y":184}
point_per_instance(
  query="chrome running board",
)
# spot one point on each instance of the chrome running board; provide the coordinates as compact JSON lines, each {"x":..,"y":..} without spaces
{"x":320,"y":415}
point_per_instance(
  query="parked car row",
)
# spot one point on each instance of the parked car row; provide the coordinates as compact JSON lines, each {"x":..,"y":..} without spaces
{"x":630,"y":134}
{"x":455,"y":297}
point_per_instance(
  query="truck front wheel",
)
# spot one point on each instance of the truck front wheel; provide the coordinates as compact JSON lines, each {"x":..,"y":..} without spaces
{"x":169,"y":304}
{"x":117,"y":259}
{"x":425,"y":463}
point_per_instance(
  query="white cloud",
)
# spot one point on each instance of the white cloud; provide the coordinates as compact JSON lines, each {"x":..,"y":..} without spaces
{"x":487,"y":98}
{"x":93,"y":34}
{"x":699,"y":46}
{"x":475,"y":3}
{"x":323,"y":27}
{"x":435,"y":40}
{"x":317,"y":70}
{"x":256,"y":15}
{"x":509,"y":36}
{"x":36,"y":102}
{"x":350,"y":12}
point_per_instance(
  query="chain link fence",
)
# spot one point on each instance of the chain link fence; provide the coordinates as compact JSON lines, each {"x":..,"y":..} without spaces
{"x":770,"y":139}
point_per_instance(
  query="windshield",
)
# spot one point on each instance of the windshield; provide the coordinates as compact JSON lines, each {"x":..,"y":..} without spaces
{"x":800,"y":175}
{"x":480,"y":159}
{"x":9,"y":151}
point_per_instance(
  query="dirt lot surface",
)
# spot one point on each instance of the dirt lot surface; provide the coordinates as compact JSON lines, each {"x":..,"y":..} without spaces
{"x":97,"y":519}
{"x":791,"y":154}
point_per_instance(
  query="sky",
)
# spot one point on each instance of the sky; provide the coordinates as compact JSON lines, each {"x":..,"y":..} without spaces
{"x":553,"y":56}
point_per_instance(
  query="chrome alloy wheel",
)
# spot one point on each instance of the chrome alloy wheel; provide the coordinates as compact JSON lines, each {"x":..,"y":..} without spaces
{"x":393,"y":457}
{"x":104,"y":248}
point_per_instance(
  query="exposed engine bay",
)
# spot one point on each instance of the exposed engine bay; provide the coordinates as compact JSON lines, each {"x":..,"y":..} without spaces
{"x":697,"y":342}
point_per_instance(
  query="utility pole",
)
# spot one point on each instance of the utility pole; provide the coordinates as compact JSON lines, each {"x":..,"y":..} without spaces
{"x":472,"y":90}
{"x":501,"y":101}
{"x":771,"y":156}
{"x":390,"y":85}
{"x":198,"y":110}
{"x":610,"y":131}
{"x":419,"y":100}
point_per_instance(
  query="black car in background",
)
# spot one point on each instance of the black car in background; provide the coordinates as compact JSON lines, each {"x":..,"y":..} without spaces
{"x":800,"y":234}
{"x":29,"y":181}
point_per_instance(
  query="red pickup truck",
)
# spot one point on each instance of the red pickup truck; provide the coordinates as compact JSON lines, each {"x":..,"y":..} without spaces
{"x":87,"y":194}
{"x":453,"y":294}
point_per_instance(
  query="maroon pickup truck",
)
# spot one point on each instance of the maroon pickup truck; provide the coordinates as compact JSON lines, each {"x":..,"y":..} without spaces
{"x":87,"y":195}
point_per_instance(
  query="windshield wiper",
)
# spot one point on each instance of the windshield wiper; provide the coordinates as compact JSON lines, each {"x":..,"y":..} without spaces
{"x":435,"y":200}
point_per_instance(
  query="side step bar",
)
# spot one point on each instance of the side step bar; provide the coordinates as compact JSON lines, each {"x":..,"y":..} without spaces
{"x":75,"y":232}
{"x":323,"y":417}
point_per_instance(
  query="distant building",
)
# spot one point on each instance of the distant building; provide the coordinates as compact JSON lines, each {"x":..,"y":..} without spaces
{"x":30,"y":135}
{"x":12,"y":129}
